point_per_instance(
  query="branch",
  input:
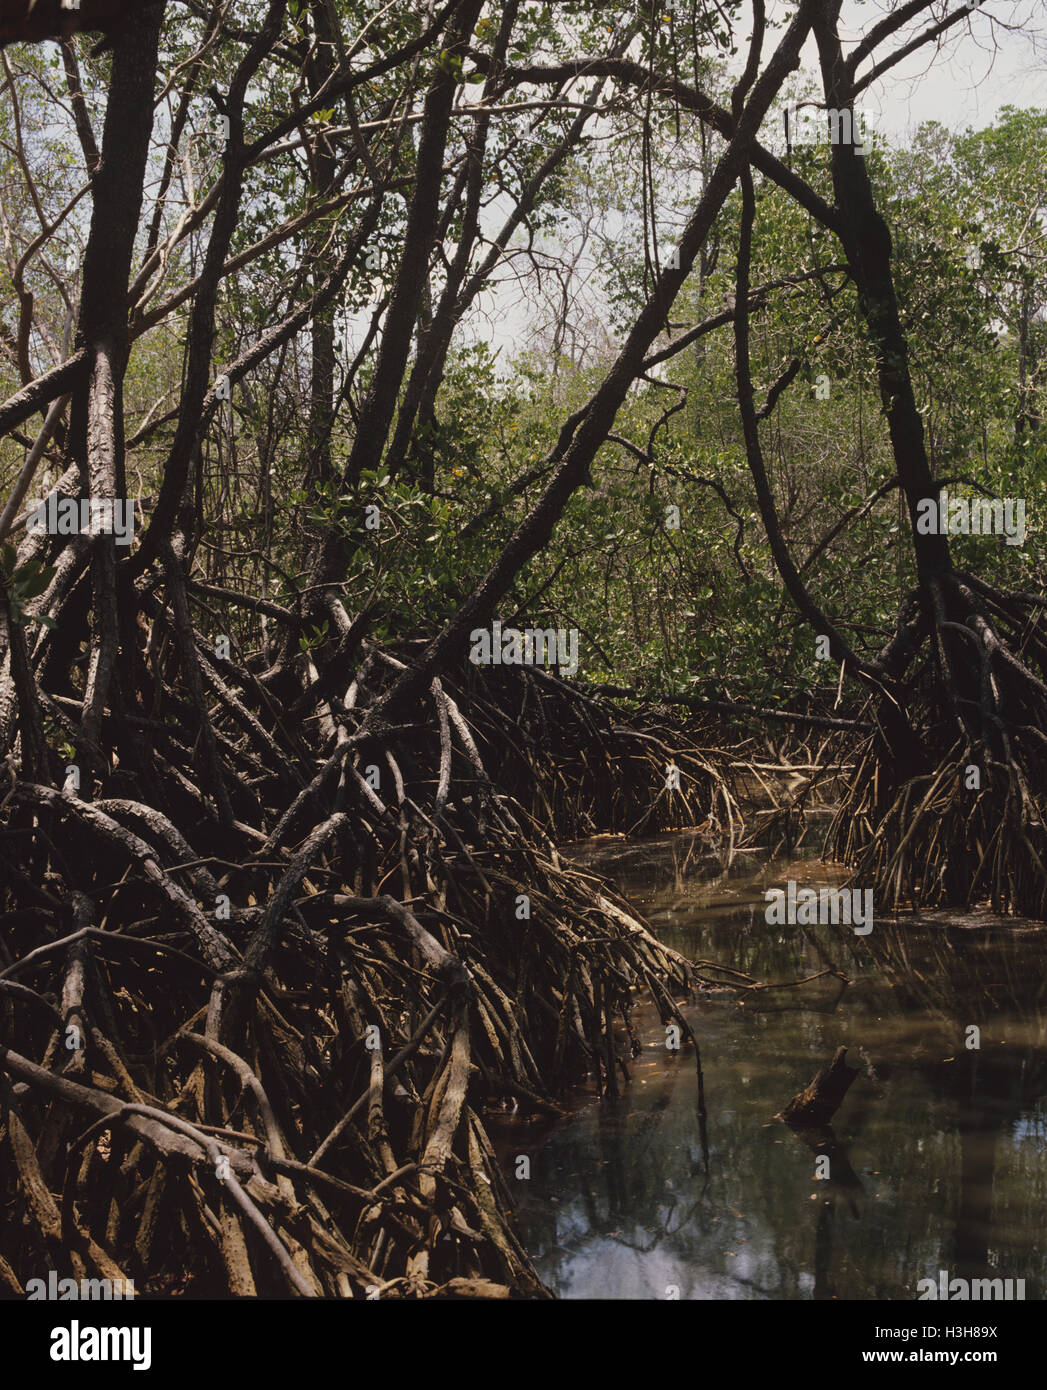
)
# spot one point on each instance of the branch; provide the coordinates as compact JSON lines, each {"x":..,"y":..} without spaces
{"x":839,"y":648}
{"x":691,"y":99}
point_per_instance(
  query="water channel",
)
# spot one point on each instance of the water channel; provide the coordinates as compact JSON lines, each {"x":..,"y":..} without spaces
{"x":939,"y":1160}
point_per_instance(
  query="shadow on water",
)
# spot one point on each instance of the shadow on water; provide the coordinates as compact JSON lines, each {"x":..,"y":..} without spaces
{"x":936,"y":1156}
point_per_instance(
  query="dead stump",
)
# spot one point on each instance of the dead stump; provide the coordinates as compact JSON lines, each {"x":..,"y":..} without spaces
{"x":820,"y":1099}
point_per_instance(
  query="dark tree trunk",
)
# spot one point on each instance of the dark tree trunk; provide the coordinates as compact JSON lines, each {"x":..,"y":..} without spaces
{"x":97,"y":428}
{"x":820,"y":1099}
{"x":867,"y":241}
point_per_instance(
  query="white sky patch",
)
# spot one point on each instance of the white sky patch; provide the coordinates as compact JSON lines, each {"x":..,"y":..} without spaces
{"x":995,"y":57}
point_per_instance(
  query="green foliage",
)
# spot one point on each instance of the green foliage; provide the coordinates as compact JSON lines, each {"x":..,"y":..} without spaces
{"x":23,"y":583}
{"x":659,"y":608}
{"x":665,"y":609}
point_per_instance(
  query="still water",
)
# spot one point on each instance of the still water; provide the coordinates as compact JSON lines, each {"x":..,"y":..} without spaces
{"x":938,"y":1158}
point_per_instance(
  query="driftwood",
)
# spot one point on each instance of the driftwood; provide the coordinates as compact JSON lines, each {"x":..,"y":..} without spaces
{"x":820,"y":1099}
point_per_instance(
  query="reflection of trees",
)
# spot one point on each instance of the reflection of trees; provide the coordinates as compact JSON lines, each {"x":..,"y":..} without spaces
{"x":933,"y":1135}
{"x":990,"y":1093}
{"x":974,"y":1214}
{"x":634,"y":1178}
{"x":842,"y":1185}
{"x":824,"y":1287}
{"x":967,"y":970}
{"x":952,"y":1188}
{"x":627,"y":1175}
{"x":992,"y":976}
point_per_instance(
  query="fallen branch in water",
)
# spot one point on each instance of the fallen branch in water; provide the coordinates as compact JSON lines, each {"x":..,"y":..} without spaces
{"x":820,"y":1099}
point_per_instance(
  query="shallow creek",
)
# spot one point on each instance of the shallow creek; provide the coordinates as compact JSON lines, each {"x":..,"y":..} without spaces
{"x":940,"y":1156}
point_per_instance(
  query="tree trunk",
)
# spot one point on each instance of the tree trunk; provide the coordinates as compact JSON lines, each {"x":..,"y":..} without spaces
{"x":820,"y":1099}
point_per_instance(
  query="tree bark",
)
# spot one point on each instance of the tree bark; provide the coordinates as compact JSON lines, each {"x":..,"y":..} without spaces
{"x":820,"y":1099}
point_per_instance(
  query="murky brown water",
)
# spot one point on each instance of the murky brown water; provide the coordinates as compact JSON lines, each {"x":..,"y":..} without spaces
{"x":940,"y":1160}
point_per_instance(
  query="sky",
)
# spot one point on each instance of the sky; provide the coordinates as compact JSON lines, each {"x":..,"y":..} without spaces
{"x":981,"y":69}
{"x":995,"y":57}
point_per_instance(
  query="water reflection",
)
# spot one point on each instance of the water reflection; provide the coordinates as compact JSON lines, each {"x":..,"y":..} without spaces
{"x":936,"y":1157}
